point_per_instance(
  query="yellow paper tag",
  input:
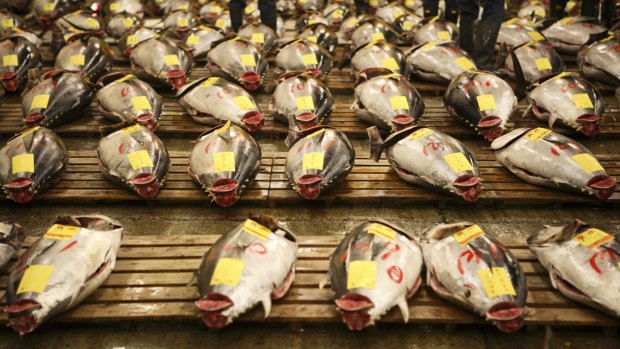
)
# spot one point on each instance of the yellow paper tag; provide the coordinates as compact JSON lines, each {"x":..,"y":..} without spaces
{"x":256,"y":229}
{"x":131,"y":129}
{"x":128,"y":22}
{"x":511,"y":21}
{"x":593,"y":238}
{"x":429,"y":45}
{"x":537,"y":134}
{"x":192,"y":40}
{"x":567,"y":20}
{"x":373,"y":3}
{"x":141,"y":103}
{"x":421,"y":133}
{"x":304,"y":103}
{"x":398,"y":12}
{"x":183,"y":7}
{"x":407,"y":25}
{"x":390,"y":64}
{"x":409,"y":3}
{"x":543,"y":64}
{"x":468,"y":234}
{"x":362,"y":274}
{"x":220,"y":23}
{"x":540,"y":12}
{"x":8,"y":23}
{"x":77,"y":60}
{"x":171,"y":60}
{"x":309,"y":59}
{"x":29,"y":131}
{"x":114,"y":6}
{"x":536,"y":36}
{"x":377,"y":37}
{"x":587,"y":162}
{"x":444,"y":35}
{"x":124,"y":78}
{"x":315,"y":133}
{"x":132,"y":39}
{"x":216,"y":9}
{"x":434,"y":19}
{"x":40,"y":102}
{"x":248,"y":61}
{"x":49,"y":6}
{"x":223,"y":128}
{"x":91,"y":23}
{"x":35,"y":278}
{"x":22,"y":163}
{"x":182,"y":22}
{"x":382,"y":230}
{"x":250,"y":9}
{"x":313,"y":161}
{"x":582,"y":101}
{"x":209,"y":82}
{"x":140,"y":159}
{"x":465,"y":63}
{"x":486,"y":102}
{"x":399,"y":103}
{"x":561,"y":75}
{"x":458,"y":162}
{"x":224,"y":161}
{"x":61,"y":232}
{"x":9,"y":61}
{"x":496,"y":282}
{"x":258,"y":38}
{"x":243,"y":102}
{"x":227,"y":272}
{"x":339,"y":13}
{"x":311,"y":38}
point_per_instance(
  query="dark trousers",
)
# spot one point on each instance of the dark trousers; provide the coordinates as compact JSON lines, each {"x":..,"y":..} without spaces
{"x":588,"y":9}
{"x":431,"y":9}
{"x":493,"y":10}
{"x":268,"y":14}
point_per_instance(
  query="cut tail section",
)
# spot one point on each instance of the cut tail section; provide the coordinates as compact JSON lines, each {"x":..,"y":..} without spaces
{"x":376,"y":143}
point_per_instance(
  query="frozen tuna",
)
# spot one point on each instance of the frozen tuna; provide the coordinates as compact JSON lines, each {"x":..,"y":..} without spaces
{"x":198,"y":41}
{"x":87,"y":55}
{"x":434,"y":30}
{"x":128,"y":41}
{"x":373,"y":29}
{"x":238,"y":60}
{"x":121,"y":24}
{"x":537,"y":60}
{"x":438,"y":62}
{"x":12,"y":236}
{"x":162,"y":61}
{"x":303,"y":55}
{"x":18,"y":56}
{"x":600,"y":61}
{"x":322,"y":35}
{"x":376,"y":58}
{"x":570,"y":33}
{"x":260,"y":35}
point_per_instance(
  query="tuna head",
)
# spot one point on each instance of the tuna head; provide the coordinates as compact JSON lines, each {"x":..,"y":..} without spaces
{"x":260,"y":35}
{"x":434,"y":30}
{"x":21,"y":55}
{"x":322,"y":34}
{"x":571,"y":33}
{"x":238,"y":59}
{"x":129,"y":41}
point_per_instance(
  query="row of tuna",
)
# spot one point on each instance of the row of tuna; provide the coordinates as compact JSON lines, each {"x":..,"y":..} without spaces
{"x":376,"y":267}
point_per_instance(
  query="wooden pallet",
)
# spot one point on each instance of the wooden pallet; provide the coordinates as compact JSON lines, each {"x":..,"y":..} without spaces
{"x":150,"y":280}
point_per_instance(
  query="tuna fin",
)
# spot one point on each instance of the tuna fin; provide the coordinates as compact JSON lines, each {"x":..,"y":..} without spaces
{"x":404,"y":308}
{"x":292,"y":138}
{"x":272,"y":86}
{"x":324,"y":281}
{"x":552,"y":118}
{"x":192,"y":281}
{"x":376,"y":143}
{"x":345,"y":61}
{"x":266,"y":304}
{"x":34,"y":77}
{"x":522,"y":84}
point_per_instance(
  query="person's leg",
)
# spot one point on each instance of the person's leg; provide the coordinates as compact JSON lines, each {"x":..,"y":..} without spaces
{"x":361,"y":7}
{"x":237,"y":9}
{"x":452,"y":11}
{"x":487,"y":32}
{"x":588,"y":8}
{"x":557,"y":8}
{"x":268,"y":13}
{"x":430,"y":8}
{"x":468,"y":10}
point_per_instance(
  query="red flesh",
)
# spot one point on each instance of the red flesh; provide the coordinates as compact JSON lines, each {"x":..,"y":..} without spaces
{"x":253,"y":120}
{"x":604,"y":186}
{"x":590,"y":124}
{"x":251,"y":81}
{"x":212,"y":306}
{"x":468,"y":186}
{"x":146,"y":185}
{"x":490,"y":127}
{"x":507,"y":316}
{"x":309,"y":186}
{"x":224,"y":192}
{"x":177,"y":78}
{"x":354,"y":308}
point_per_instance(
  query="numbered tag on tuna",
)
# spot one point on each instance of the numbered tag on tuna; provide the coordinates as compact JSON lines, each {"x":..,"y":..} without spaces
{"x":256,"y":229}
{"x":390,"y":64}
{"x":22,"y":163}
{"x":304,"y":103}
{"x":48,"y":7}
{"x":209,"y":82}
{"x":486,"y":102}
{"x":421,"y":133}
{"x":192,"y":40}
{"x":407,"y":25}
{"x":543,"y":64}
{"x":593,"y":238}
{"x":141,"y":103}
{"x":29,"y":132}
{"x":310,"y":59}
{"x":429,"y":45}
{"x":587,"y":163}
{"x":223,"y":128}
{"x":214,"y":9}
{"x":377,"y":37}
{"x":313,"y":161}
{"x":171,"y":60}
{"x":468,"y":234}
{"x":399,"y":103}
{"x":77,"y":60}
{"x":40,"y":102}
{"x":315,"y":133}
{"x":132,"y":39}
{"x":536,"y":36}
{"x":312,"y":38}
{"x":140,"y":159}
{"x":8,"y":23}
{"x":128,"y":22}
{"x":458,"y":162}
{"x":182,"y":22}
{"x":91,"y":23}
{"x":362,"y":274}
{"x":61,"y":232}
{"x":464,"y":63}
{"x":248,"y":60}
{"x":496,"y":282}
{"x":339,"y":13}
{"x":220,"y":23}
{"x":444,"y":35}
{"x":382,"y":231}
{"x":582,"y":101}
{"x":537,"y":134}
{"x":540,"y":12}
{"x":258,"y":38}
{"x":124,"y":78}
{"x":227,"y":272}
{"x":243,"y":102}
{"x":114,"y":6}
{"x":131,"y":129}
{"x":35,"y":279}
{"x":224,"y":162}
{"x":10,"y":61}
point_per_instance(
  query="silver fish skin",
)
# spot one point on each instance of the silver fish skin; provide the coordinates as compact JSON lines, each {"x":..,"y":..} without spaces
{"x":582,"y":263}
{"x":600,"y":61}
{"x":50,"y":159}
{"x":129,"y":41}
{"x":133,"y":7}
{"x":391,"y":12}
{"x":406,"y":25}
{"x":121,"y":24}
{"x":482,"y":101}
{"x":303,"y":55}
{"x":33,"y":38}
{"x":377,"y":58}
{"x":336,"y":13}
{"x":121,"y":99}
{"x":10,"y":20}
{"x":225,"y":60}
{"x":570,"y":33}
{"x":263,"y":37}
{"x":210,"y":11}
{"x":78,"y":22}
{"x":213,"y":101}
{"x":12,"y":236}
{"x":198,"y":41}
{"x":349,"y":25}
{"x":14,"y":75}
{"x":69,"y":94}
{"x":180,"y":23}
{"x":373,"y":29}
{"x":114,"y":153}
{"x":455,"y":267}
{"x":162,"y":61}
{"x":223,"y":183}
{"x":435,"y":31}
{"x":379,"y":101}
{"x":568,"y":100}
{"x":89,"y":56}
{"x":438,"y":62}
{"x":533,"y":11}
{"x":533,"y":58}
{"x":419,"y":155}
{"x":310,"y":6}
{"x":398,"y":262}
{"x":265,"y":251}
{"x":290,"y":105}
{"x":78,"y":263}
{"x":321,"y":142}
{"x":514,"y":34}
{"x":546,"y":158}
{"x":322,"y":34}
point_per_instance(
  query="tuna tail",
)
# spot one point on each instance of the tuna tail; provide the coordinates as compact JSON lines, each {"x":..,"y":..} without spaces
{"x":266,"y":300}
{"x":404,"y":308}
{"x":34,"y":77}
{"x":376,"y":143}
{"x":522,"y":85}
{"x":502,"y":54}
{"x":346,"y":57}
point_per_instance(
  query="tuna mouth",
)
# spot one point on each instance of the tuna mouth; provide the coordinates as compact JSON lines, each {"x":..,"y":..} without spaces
{"x":253,"y":120}
{"x":589,"y":124}
{"x":224,"y":192}
{"x":34,"y":119}
{"x":9,"y":81}
{"x":603,"y":186}
{"x":468,"y":186}
{"x":507,"y":316}
{"x":177,"y":78}
{"x":251,"y":81}
{"x":148,"y":121}
{"x":354,"y":309}
{"x":146,"y":185}
{"x":20,"y":314}
{"x":309,"y":186}
{"x":182,"y":31}
{"x":20,"y":190}
{"x":212,"y":306}
{"x":306,"y":120}
{"x":490,"y":127}
{"x":402,"y":121}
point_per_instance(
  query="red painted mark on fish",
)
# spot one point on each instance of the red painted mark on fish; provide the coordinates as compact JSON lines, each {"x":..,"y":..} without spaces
{"x":69,"y":246}
{"x":434,"y":145}
{"x":257,"y":247}
{"x":125,"y":90}
{"x":224,"y":90}
{"x":395,"y":273}
{"x":207,"y":148}
{"x":601,"y":256}
{"x":361,"y":246}
{"x":395,"y":248}
{"x":560,"y":147}
{"x":121,"y":148}
{"x":470,"y":255}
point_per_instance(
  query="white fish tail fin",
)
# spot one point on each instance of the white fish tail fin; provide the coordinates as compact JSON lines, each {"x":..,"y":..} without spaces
{"x":324,"y":281}
{"x":266,"y":304}
{"x":552,"y":118}
{"x":404,"y":308}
